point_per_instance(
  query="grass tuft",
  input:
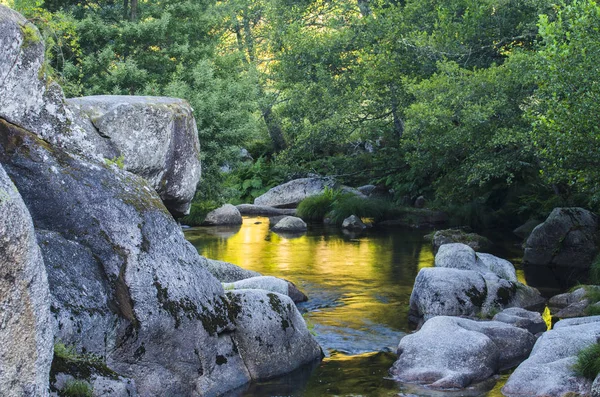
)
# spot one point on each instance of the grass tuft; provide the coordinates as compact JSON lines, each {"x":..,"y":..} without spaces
{"x":77,"y":388}
{"x":588,"y":362}
{"x":595,"y":271}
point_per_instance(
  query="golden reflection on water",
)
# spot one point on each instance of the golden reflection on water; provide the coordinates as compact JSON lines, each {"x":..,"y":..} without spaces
{"x":365,"y":278}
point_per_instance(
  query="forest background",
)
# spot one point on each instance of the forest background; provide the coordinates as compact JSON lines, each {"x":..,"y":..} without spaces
{"x":488,"y":108}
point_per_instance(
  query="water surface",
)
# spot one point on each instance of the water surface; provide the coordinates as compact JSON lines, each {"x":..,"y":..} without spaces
{"x":358,"y":287}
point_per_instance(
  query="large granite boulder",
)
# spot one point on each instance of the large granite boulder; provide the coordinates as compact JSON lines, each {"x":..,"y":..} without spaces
{"x":26,"y":338}
{"x":271,"y":341}
{"x":143,"y":299}
{"x":451,"y":352}
{"x":290,"y":194}
{"x":225,"y":215}
{"x":549,"y":369}
{"x":155,"y":138}
{"x":568,"y":238}
{"x":465,"y":283}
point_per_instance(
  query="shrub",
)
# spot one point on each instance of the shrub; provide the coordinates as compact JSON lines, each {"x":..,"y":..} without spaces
{"x":77,"y":388}
{"x":346,"y":205}
{"x":595,"y":271}
{"x":588,"y":362}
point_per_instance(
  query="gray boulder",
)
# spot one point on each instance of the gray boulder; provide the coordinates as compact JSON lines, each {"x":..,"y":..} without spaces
{"x":525,"y":229}
{"x":449,"y":236}
{"x":26,"y":338}
{"x":465,"y":283}
{"x":420,"y":202}
{"x":264,"y":210}
{"x":353,"y":222}
{"x":461,"y":256}
{"x":451,"y":352}
{"x":155,"y":137}
{"x":572,"y":304}
{"x":568,"y":238}
{"x":225,"y":215}
{"x":290,"y":224}
{"x":290,"y":194}
{"x":596,"y":387}
{"x":549,"y":369}
{"x":268,"y":283}
{"x":531,"y":321}
{"x":366,"y":189}
{"x":271,"y":334}
{"x":227,"y":272}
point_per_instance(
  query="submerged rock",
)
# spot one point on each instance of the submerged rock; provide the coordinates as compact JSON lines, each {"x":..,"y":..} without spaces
{"x":465,"y":283}
{"x":568,"y":238}
{"x":449,"y":236}
{"x":264,"y":210}
{"x":353,"y":222}
{"x":290,"y":194}
{"x":549,"y":369}
{"x":290,"y":224}
{"x":224,"y":215}
{"x":26,"y":338}
{"x":451,"y":352}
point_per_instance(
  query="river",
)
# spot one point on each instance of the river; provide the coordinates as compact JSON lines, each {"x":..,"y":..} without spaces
{"x":358,"y":287}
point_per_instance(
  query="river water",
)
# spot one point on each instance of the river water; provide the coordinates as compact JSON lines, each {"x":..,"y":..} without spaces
{"x":358,"y":287}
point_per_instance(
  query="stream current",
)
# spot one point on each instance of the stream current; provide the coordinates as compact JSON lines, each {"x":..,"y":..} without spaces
{"x":358,"y":287}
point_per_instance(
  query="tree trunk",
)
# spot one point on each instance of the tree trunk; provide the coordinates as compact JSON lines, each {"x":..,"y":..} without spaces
{"x":134,"y":4}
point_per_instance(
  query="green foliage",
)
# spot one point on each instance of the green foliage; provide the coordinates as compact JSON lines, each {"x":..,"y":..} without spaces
{"x":77,"y":388}
{"x":563,"y":110}
{"x":30,"y":35}
{"x":315,"y":208}
{"x":347,"y":205}
{"x":65,"y":352}
{"x":588,"y":362}
{"x":118,"y":161}
{"x":595,"y":272}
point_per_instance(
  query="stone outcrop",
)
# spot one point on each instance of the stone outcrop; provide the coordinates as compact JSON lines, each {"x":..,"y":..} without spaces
{"x":225,"y":215}
{"x":25,"y":325}
{"x":290,"y":194}
{"x":451,"y":352}
{"x":549,"y":369}
{"x":567,"y":238}
{"x":465,"y":283}
{"x":290,"y":224}
{"x":153,"y":137}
